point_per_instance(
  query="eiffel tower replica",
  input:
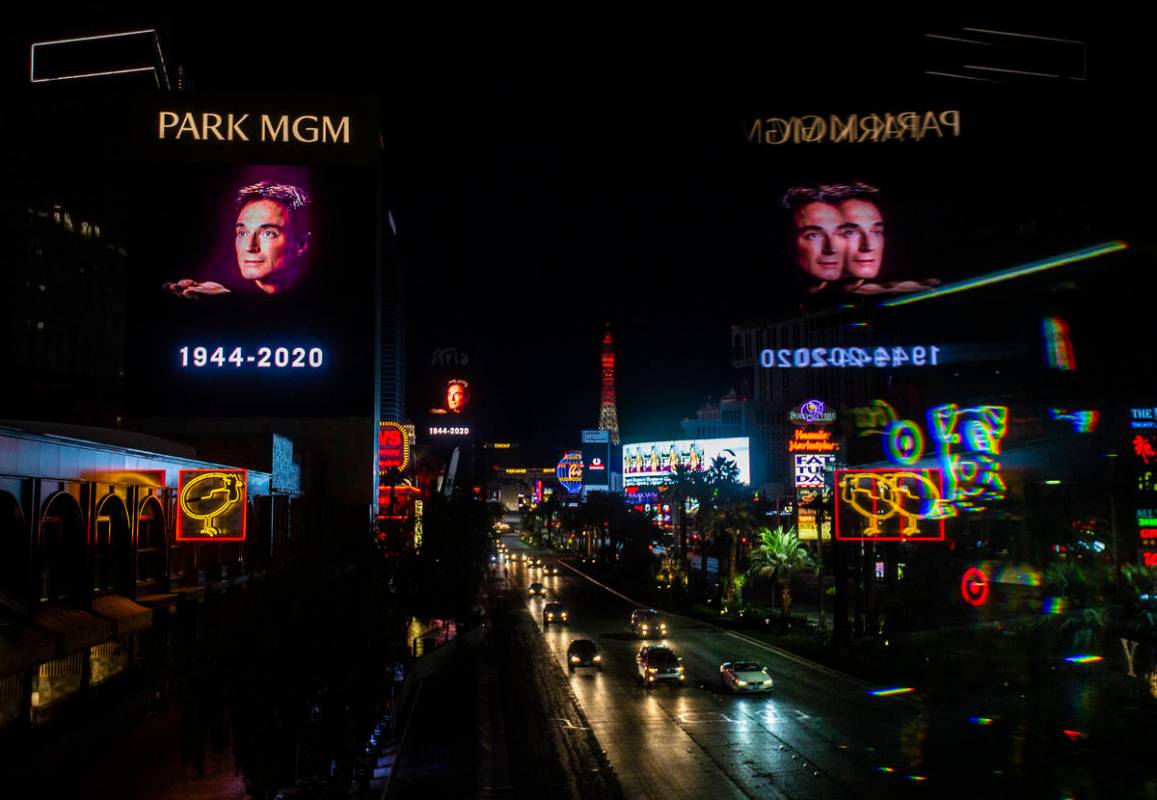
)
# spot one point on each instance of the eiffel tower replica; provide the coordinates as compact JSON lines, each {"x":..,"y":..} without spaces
{"x":608,"y":409}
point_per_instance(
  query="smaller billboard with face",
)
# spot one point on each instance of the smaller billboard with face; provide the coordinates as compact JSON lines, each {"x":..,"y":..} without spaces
{"x":654,"y":463}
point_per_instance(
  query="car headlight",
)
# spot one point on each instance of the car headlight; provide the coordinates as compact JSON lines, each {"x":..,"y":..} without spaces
{"x":767,"y":682}
{"x":575,"y":659}
{"x":564,"y":615}
{"x":645,"y":629}
{"x":597,"y":658}
{"x":679,"y":668}
{"x":550,"y":616}
{"x":652,"y":670}
{"x":741,"y":683}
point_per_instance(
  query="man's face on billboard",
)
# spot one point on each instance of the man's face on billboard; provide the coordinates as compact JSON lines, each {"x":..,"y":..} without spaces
{"x":267,"y":245}
{"x":863,"y":229}
{"x":455,"y":397}
{"x":819,"y":246}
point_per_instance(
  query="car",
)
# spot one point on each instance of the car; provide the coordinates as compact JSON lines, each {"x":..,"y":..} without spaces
{"x":554,"y":612}
{"x":658,"y":662}
{"x":583,"y":653}
{"x":537,"y":588}
{"x":552,"y":569}
{"x":648,"y":623}
{"x":745,"y":676}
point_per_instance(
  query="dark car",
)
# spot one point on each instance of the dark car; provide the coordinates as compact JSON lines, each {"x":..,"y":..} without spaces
{"x":554,"y":612}
{"x":659,"y":663}
{"x":583,"y":653}
{"x":648,"y":623}
{"x":538,"y":589}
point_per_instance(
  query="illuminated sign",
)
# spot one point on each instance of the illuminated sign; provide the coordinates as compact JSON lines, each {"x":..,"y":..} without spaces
{"x":515,"y":470}
{"x":811,"y":470}
{"x":873,"y":419}
{"x":1149,"y":559}
{"x":822,"y":357}
{"x":209,"y":126}
{"x":1058,"y":344}
{"x":596,"y":465}
{"x":211,"y":505}
{"x":811,"y":412}
{"x":890,"y":505}
{"x":809,"y":502}
{"x":652,"y":463}
{"x":1143,"y":448}
{"x":1143,"y":418}
{"x":396,"y":500}
{"x":419,"y":510}
{"x":1082,"y":421}
{"x":596,"y":437}
{"x":974,"y":587}
{"x":497,"y":446}
{"x":967,"y":439}
{"x":393,"y":447}
{"x":448,"y":430}
{"x":570,"y":471}
{"x":812,"y":442}
{"x":856,"y":128}
{"x":455,"y":397}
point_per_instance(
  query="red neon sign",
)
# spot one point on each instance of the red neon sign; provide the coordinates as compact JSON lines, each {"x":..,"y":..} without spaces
{"x":1149,"y":558}
{"x":1149,"y":533}
{"x":393,"y":447}
{"x":974,"y":586}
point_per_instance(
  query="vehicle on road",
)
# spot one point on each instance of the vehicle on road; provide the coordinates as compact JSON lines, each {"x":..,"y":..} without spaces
{"x":583,"y":653}
{"x":658,"y":662}
{"x":538,"y":589}
{"x":552,"y":569}
{"x":554,"y":612}
{"x":745,"y":676}
{"x":647,"y":623}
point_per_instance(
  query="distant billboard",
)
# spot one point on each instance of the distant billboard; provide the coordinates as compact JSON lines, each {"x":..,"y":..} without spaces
{"x":596,"y":452}
{"x":653,"y":463}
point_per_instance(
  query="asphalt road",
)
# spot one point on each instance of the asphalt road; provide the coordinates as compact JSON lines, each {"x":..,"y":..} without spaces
{"x":816,"y":734}
{"x":822,"y":734}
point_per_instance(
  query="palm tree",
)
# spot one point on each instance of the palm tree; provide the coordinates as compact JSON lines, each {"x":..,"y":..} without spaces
{"x":727,"y":522}
{"x":779,"y":555}
{"x":686,"y":484}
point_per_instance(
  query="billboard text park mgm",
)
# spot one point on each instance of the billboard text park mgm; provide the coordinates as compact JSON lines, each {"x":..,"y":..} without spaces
{"x":653,"y":463}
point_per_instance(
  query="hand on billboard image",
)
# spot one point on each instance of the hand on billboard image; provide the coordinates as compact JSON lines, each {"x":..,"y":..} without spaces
{"x":839,"y":237}
{"x":270,"y":240}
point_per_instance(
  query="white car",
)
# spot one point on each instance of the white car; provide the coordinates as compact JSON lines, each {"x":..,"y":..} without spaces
{"x":745,"y":676}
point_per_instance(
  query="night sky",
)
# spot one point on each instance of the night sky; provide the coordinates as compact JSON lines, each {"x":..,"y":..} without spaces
{"x":548,"y":182}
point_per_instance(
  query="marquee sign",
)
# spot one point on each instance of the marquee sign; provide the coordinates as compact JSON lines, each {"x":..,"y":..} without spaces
{"x":211,"y":505}
{"x":570,"y":471}
{"x":393,"y":447}
{"x":812,"y":442}
{"x":891,"y":505}
{"x":811,"y":470}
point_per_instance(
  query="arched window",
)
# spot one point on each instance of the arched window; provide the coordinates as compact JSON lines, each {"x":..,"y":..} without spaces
{"x":62,"y":553}
{"x":150,"y":543}
{"x":112,"y":547}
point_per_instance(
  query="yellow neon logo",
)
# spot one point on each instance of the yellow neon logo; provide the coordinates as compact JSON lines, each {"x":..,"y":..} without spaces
{"x":205,"y":503}
{"x":878,"y":496}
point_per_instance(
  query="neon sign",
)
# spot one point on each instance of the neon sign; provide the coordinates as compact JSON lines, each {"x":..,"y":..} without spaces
{"x":393,"y":447}
{"x":812,"y":442}
{"x":812,"y":412}
{"x":974,"y":587}
{"x":212,"y":505}
{"x":973,"y":474}
{"x":1082,"y":421}
{"x":1143,"y":448}
{"x":1143,"y":417}
{"x":890,"y":505}
{"x":904,"y":442}
{"x":873,"y":419}
{"x":1058,"y":344}
{"x":822,"y":357}
{"x":570,"y":471}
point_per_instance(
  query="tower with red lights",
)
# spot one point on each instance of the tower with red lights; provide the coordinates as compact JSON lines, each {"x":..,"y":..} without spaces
{"x":608,"y":409}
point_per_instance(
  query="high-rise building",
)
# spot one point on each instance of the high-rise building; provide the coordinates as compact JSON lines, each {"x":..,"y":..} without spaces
{"x":608,"y":408}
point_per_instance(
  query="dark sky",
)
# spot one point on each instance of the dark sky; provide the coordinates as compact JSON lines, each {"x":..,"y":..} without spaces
{"x":549,"y":177}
